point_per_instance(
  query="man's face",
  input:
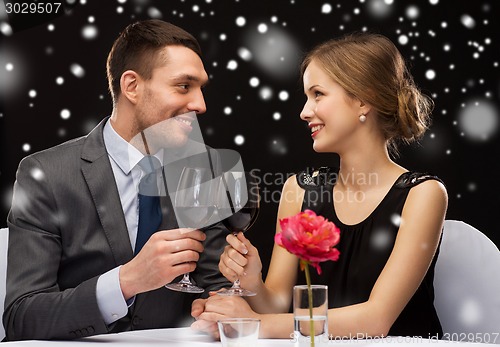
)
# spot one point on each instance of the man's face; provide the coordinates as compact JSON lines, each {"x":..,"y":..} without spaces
{"x":174,"y":89}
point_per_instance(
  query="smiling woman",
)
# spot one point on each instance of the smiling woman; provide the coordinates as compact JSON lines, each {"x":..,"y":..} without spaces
{"x":374,"y":73}
{"x":250,"y":116}
{"x":360,"y":102}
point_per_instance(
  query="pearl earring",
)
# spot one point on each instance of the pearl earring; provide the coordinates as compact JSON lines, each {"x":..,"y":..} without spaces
{"x":362,"y":118}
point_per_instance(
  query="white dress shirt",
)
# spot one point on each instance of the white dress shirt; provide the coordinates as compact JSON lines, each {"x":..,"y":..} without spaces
{"x":124,"y":159}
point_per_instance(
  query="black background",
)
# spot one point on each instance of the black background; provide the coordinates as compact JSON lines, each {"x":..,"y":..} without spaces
{"x":466,"y":87}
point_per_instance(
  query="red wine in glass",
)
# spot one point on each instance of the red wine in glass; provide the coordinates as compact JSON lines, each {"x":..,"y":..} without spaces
{"x":241,"y":208}
{"x":195,"y":203}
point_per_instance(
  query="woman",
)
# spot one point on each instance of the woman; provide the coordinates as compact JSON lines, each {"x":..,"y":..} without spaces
{"x":361,"y":101}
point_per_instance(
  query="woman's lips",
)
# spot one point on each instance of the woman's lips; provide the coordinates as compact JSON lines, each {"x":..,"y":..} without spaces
{"x":315,"y":129}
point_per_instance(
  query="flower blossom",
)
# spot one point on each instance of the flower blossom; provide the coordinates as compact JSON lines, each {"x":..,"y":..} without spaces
{"x":310,"y":237}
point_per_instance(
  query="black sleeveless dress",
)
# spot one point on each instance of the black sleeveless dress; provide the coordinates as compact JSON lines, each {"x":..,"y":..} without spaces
{"x":364,"y":250}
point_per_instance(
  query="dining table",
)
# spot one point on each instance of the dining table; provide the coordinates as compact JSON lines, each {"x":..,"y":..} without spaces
{"x":190,"y":338}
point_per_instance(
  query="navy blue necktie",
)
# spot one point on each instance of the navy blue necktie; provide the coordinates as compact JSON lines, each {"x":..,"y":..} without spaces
{"x":149,"y":202}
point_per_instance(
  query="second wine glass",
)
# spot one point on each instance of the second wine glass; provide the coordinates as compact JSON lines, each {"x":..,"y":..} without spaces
{"x":241,"y":207}
{"x":195,"y":203}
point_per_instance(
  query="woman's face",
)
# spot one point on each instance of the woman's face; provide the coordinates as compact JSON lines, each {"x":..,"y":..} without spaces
{"x":332,"y":116}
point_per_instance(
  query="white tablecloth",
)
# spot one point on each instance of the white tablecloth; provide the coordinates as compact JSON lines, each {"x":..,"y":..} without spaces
{"x":189,"y":338}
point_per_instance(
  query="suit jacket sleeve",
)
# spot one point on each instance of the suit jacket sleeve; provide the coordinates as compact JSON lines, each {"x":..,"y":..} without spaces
{"x":41,"y":300}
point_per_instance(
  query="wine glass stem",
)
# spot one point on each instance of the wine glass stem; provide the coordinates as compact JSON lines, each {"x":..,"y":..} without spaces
{"x":185,"y":279}
{"x":236,"y":284}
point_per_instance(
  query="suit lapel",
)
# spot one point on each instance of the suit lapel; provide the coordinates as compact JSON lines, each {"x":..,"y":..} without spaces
{"x":98,"y":174}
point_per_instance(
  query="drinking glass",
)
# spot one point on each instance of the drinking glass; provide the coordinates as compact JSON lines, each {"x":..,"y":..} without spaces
{"x":240,"y":209}
{"x":239,"y":332}
{"x":310,"y":313}
{"x":195,"y":203}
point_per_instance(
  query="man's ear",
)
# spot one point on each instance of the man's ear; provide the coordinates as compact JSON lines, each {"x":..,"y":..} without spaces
{"x":129,"y":85}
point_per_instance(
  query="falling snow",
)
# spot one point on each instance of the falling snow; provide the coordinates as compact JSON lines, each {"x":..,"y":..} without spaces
{"x":77,"y":70}
{"x":254,"y":82}
{"x":89,"y":32}
{"x":396,"y":219}
{"x":153,"y":12}
{"x":379,"y":9}
{"x":278,"y":146}
{"x":468,"y":21}
{"x":37,"y":174}
{"x":245,"y":54}
{"x":232,"y":65}
{"x":430,"y":74}
{"x":262,"y":28}
{"x":241,"y":21}
{"x":274,"y":51}
{"x":5,"y":29}
{"x":326,"y":8}
{"x":239,"y":140}
{"x":380,"y":239}
{"x":266,"y":93}
{"x":479,"y":120}
{"x":283,"y":95}
{"x":255,"y":95}
{"x":65,"y":114}
{"x":412,"y":12}
{"x":403,"y":39}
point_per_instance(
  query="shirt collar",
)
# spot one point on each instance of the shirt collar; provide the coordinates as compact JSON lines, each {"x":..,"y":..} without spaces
{"x":121,"y":152}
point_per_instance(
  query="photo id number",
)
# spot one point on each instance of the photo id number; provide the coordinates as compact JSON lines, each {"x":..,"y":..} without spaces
{"x":25,"y":7}
{"x":472,"y":337}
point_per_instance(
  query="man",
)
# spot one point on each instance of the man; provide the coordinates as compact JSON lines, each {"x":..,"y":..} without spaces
{"x":72,"y":271}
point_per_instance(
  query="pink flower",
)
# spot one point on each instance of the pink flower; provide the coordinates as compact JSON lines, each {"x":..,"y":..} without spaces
{"x":310,"y":237}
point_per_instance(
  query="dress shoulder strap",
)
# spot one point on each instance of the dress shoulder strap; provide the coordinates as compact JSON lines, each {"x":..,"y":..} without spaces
{"x":411,"y":179}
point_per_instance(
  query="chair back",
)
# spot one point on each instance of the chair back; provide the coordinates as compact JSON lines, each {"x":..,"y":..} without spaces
{"x":467,"y":284}
{"x":4,"y":243}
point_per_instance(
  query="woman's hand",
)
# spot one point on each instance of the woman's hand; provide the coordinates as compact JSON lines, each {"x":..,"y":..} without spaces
{"x":241,"y":260}
{"x":218,"y":307}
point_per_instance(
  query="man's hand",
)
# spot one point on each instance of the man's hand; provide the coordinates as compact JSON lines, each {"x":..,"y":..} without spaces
{"x":197,"y":308}
{"x":166,"y":255}
{"x":208,"y":311}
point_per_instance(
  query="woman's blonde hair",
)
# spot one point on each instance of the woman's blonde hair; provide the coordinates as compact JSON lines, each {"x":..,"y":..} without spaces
{"x":371,"y":69}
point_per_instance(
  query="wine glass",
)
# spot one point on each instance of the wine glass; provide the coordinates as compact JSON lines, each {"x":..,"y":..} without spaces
{"x":195,"y":203}
{"x":240,"y":210}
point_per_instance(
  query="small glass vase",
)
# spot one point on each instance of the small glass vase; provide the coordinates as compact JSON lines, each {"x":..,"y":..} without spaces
{"x":310,"y":312}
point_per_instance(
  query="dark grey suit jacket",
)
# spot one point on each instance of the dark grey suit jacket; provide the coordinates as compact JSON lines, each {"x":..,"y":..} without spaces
{"x":67,"y":228}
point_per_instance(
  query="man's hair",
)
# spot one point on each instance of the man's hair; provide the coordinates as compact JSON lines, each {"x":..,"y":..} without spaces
{"x":138,"y":48}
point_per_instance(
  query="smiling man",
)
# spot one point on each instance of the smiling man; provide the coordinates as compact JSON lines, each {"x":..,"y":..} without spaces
{"x":74,"y":267}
